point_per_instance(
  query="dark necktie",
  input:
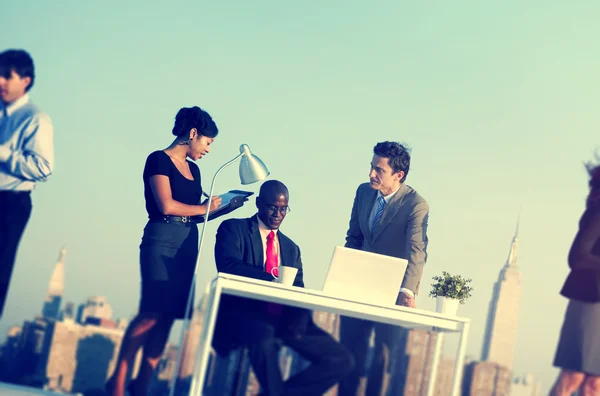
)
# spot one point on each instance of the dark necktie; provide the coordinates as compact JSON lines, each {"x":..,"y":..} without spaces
{"x":381,"y":203}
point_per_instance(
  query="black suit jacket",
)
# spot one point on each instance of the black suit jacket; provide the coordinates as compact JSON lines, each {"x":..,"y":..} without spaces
{"x":239,"y":251}
{"x":583,"y":282}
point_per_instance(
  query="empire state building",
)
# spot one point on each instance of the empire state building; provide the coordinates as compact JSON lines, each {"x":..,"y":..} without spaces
{"x":503,"y":315}
{"x":56,"y":287}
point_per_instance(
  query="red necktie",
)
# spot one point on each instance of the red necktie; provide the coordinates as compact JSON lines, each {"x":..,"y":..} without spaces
{"x":272,"y":259}
{"x":270,"y":263}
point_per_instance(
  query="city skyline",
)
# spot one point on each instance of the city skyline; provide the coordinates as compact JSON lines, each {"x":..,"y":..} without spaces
{"x":498,"y":343}
{"x":74,"y":351}
{"x":62,"y":350}
{"x":494,"y":350}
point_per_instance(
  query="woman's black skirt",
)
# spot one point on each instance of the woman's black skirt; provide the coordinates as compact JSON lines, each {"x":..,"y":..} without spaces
{"x":167,"y":260}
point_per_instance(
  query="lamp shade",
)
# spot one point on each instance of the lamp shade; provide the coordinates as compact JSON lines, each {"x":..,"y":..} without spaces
{"x":252,"y":169}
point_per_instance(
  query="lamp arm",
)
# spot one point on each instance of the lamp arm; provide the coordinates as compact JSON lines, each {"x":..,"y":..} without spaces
{"x":193,"y":285}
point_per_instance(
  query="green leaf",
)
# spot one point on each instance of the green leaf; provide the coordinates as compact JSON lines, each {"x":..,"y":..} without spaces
{"x":451,"y":286}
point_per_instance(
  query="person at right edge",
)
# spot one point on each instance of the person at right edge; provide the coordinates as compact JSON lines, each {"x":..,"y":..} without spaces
{"x":578,"y":350}
{"x":390,"y":218}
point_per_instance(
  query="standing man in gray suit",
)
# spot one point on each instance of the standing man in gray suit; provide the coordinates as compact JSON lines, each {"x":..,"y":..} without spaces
{"x":390,"y":218}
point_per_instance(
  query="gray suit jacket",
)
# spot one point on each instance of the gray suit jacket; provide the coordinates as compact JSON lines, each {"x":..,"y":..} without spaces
{"x":402,"y":229}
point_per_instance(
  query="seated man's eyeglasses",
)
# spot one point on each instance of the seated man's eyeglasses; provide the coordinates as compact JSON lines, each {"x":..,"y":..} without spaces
{"x":280,"y":209}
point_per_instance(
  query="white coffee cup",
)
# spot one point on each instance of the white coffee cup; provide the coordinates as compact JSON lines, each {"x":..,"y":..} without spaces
{"x":284,"y":275}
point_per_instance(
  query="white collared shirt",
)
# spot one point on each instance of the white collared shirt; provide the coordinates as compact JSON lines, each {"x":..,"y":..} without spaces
{"x":26,"y":145}
{"x":264,"y":233}
{"x":376,"y":205}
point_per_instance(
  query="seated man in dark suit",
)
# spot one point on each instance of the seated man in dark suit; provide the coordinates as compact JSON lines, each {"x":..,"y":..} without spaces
{"x":252,"y":247}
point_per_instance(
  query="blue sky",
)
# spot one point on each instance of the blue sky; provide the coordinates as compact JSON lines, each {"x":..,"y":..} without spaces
{"x":497,"y":100}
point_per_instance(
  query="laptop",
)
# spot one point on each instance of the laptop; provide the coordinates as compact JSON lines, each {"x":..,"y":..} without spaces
{"x":364,"y":276}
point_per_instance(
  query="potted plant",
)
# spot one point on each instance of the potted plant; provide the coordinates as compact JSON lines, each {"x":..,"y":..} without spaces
{"x":450,"y":290}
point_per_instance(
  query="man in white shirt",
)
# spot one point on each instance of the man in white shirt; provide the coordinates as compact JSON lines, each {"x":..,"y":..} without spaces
{"x":388,"y":217}
{"x":253,"y":247}
{"x":26,"y":156}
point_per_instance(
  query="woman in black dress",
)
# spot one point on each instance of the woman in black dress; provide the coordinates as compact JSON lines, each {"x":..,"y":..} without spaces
{"x":578,"y":350}
{"x":169,"y":247}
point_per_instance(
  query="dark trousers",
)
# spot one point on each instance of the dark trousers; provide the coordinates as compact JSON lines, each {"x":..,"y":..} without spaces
{"x":15,"y":209}
{"x":330,"y":362}
{"x":355,"y":335}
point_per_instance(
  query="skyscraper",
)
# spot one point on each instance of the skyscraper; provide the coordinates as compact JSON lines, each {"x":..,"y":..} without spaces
{"x":486,"y":379}
{"x":78,"y":358}
{"x":192,"y":337}
{"x":503,"y":314}
{"x":68,"y":311}
{"x":413,"y":362}
{"x":96,"y":307}
{"x":56,"y":287}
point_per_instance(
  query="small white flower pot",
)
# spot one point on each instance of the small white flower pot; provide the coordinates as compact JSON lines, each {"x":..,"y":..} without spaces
{"x":447,"y":306}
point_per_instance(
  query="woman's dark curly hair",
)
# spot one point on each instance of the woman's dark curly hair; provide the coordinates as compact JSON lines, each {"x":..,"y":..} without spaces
{"x":194,"y":117}
{"x":593,"y":169}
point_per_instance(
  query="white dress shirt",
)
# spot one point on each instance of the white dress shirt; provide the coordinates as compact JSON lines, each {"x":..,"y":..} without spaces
{"x":26,"y":145}
{"x":264,"y":233}
{"x":376,"y":205}
{"x":372,"y":217}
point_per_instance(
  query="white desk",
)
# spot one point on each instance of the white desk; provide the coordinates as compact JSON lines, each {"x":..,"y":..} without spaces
{"x":318,"y":301}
